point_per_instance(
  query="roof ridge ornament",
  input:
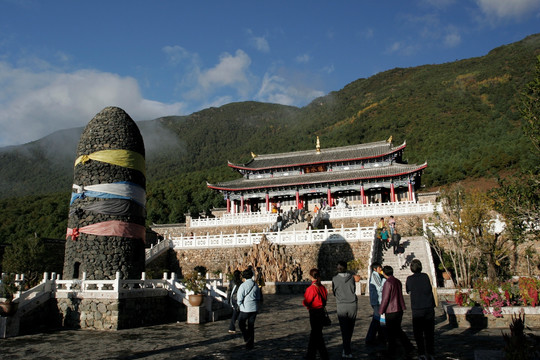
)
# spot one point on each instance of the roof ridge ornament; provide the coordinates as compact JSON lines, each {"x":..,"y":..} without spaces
{"x":253,"y":155}
{"x":389,"y":139}
{"x":318,"y":147}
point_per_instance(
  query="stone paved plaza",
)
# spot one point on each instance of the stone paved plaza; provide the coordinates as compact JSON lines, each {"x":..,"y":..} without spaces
{"x":282,"y":332}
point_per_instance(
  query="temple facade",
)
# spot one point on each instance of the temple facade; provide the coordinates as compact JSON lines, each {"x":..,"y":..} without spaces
{"x":355,"y":175}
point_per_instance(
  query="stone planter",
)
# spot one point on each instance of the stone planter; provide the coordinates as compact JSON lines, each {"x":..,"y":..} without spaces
{"x":196,"y":299}
{"x":474,"y":317}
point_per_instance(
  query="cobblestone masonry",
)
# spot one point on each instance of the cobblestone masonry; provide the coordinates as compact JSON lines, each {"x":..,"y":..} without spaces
{"x":102,"y":256}
{"x":323,"y":256}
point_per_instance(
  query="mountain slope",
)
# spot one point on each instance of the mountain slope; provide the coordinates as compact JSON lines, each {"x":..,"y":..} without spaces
{"x":462,"y":117}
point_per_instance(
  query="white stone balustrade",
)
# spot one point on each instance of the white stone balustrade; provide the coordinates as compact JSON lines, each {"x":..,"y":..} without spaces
{"x":279,"y":237}
{"x":236,"y":219}
{"x":157,"y":249}
{"x":382,"y":210}
{"x":115,"y":288}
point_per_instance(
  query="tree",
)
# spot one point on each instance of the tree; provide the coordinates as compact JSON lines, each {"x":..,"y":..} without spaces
{"x":448,"y":240}
{"x":465,"y":235}
{"x":477,"y":226}
{"x":517,"y":199}
{"x":29,"y":256}
{"x":530,"y":108}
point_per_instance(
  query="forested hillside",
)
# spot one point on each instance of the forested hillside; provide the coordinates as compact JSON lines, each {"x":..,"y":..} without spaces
{"x":461,"y":117}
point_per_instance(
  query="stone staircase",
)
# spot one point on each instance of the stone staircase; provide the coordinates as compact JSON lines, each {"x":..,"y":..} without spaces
{"x":415,"y":248}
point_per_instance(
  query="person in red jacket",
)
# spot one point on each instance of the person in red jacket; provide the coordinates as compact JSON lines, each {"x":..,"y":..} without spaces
{"x":315,"y":301}
{"x":392,"y":306}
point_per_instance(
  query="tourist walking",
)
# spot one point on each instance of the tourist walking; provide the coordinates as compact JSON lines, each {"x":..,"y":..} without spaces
{"x":396,"y":238}
{"x":392,"y":306}
{"x":392,"y":225}
{"x":248,"y":298}
{"x":232,"y":292}
{"x":380,"y":225}
{"x":384,"y":238}
{"x":344,"y":289}
{"x":279,"y":221}
{"x":376,"y":282}
{"x":419,"y":287}
{"x":315,"y":301}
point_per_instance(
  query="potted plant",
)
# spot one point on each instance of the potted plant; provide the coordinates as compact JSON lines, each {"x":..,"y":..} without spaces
{"x":195,"y":283}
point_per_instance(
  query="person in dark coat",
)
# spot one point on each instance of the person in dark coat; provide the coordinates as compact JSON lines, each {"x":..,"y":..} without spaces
{"x":234,"y":284}
{"x":396,"y":238}
{"x":392,"y":306}
{"x":419,"y":287}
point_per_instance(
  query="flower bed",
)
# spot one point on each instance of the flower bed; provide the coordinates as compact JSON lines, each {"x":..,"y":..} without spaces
{"x":492,"y":304}
{"x":476,"y":318}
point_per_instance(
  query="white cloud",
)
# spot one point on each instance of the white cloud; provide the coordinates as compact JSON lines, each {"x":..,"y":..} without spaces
{"x":276,"y":89}
{"x":329,"y":69}
{"x":177,"y":54}
{"x":508,"y":9}
{"x":439,"y":4}
{"x":368,"y":33}
{"x":303,"y":59}
{"x":35,"y":103}
{"x":262,"y":44}
{"x":231,"y":71}
{"x":452,"y":38}
{"x":401,"y":48}
{"x":258,"y":42}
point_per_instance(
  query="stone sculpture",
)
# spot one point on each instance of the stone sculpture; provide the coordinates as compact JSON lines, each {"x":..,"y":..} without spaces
{"x":106,"y":229}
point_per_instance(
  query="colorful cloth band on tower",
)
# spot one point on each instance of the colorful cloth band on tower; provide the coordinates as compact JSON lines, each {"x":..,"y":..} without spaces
{"x":125,"y":158}
{"x":119,"y":190}
{"x":110,"y":228}
{"x":115,"y":207}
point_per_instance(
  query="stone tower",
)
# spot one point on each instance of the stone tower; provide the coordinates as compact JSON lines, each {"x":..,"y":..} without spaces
{"x":106,"y":229}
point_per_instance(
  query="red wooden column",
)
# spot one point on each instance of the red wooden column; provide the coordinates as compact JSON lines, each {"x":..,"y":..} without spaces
{"x":329,"y":197}
{"x":297,"y":199}
{"x":392,"y":193}
{"x":241,"y":203}
{"x":411,"y":194}
{"x":267,"y":202}
{"x":228,"y":204}
{"x":362,"y":195}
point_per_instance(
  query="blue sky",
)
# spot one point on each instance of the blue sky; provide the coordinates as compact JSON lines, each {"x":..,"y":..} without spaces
{"x":61,"y":62}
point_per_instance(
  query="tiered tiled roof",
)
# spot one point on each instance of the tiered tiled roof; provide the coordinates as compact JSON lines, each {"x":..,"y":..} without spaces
{"x":312,"y":157}
{"x":319,"y":177}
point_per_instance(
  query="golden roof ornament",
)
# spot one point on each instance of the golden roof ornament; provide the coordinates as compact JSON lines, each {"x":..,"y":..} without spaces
{"x":318,"y":147}
{"x":389,"y":139}
{"x":253,"y":155}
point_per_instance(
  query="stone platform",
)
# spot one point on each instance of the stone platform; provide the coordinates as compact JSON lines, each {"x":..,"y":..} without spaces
{"x":282,"y":332}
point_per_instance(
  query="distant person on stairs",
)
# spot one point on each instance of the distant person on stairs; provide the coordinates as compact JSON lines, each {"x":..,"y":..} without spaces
{"x":396,"y":238}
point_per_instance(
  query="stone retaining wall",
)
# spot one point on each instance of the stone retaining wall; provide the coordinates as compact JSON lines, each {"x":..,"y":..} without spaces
{"x":321,"y":255}
{"x":116,"y":314}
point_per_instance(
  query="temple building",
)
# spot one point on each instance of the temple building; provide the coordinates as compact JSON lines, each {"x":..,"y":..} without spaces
{"x":356,"y":174}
